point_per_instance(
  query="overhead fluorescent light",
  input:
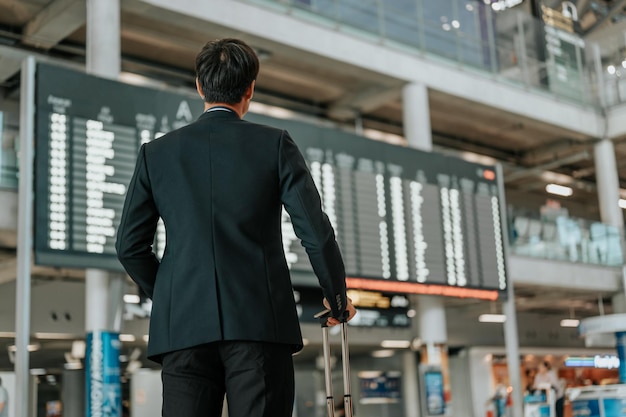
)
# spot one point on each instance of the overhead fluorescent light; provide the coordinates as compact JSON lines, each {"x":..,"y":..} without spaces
{"x":561,"y":190}
{"x":622,"y":203}
{"x":38,"y":371}
{"x":492,"y":318}
{"x":146,"y":338}
{"x":55,"y":336}
{"x":387,"y":353}
{"x":10,"y":335}
{"x":131,"y":299}
{"x":78,"y":349}
{"x":395,"y":344}
{"x":73,"y":365}
{"x":570,"y":323}
{"x":127,"y":338}
{"x":31,"y":348}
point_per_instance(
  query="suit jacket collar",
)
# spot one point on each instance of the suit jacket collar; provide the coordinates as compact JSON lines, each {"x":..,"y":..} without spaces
{"x":219,"y":114}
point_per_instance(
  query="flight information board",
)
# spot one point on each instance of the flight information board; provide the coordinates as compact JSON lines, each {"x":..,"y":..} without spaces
{"x":406,"y":221}
{"x":88,"y":133}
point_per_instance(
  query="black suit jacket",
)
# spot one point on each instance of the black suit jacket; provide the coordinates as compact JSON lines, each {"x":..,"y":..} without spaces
{"x":219,"y":184}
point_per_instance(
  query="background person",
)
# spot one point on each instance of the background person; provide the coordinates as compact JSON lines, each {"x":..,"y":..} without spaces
{"x":546,"y":375}
{"x":4,"y":401}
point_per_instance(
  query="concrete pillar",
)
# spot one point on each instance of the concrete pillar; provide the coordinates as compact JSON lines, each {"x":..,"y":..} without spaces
{"x":511,"y":338}
{"x":431,"y":314}
{"x":607,"y":181}
{"x":410,"y":390}
{"x":511,"y":342}
{"x":103,"y":38}
{"x":416,"y":117}
{"x":73,"y":393}
{"x":104,"y":60}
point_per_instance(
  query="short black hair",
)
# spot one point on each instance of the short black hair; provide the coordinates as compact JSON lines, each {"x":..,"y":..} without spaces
{"x":225,"y":69}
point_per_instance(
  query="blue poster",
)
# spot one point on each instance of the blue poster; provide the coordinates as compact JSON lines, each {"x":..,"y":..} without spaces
{"x":104,"y":389}
{"x":435,"y":401}
{"x":614,"y":407}
{"x":381,"y":389}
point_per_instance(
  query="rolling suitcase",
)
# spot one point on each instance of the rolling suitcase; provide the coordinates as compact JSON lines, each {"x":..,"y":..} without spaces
{"x":345,"y":359}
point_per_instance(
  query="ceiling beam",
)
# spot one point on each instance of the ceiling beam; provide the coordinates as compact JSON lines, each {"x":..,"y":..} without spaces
{"x":617,"y":8}
{"x":539,"y":169}
{"x":581,"y":7}
{"x":363,"y":101}
{"x":55,"y":22}
{"x":8,"y":67}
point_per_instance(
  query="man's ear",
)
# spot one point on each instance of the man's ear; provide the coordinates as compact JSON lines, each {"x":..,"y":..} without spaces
{"x":199,"y":89}
{"x":250,"y":91}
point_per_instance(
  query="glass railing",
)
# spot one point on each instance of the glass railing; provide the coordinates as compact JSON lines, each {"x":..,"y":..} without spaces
{"x":566,"y":239}
{"x":509,"y":46}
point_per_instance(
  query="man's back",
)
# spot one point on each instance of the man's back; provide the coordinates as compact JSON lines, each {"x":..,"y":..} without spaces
{"x":219,"y":184}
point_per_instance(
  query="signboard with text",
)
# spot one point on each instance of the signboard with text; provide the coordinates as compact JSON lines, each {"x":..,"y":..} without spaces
{"x":406,"y":221}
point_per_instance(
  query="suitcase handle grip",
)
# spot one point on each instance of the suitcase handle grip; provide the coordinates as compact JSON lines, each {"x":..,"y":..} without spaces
{"x":323,"y":316}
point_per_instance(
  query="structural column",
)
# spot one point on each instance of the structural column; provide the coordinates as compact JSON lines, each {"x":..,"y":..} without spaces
{"x":416,"y":117}
{"x":607,"y":181}
{"x":432,"y":326}
{"x":103,"y":291}
{"x":431,"y":314}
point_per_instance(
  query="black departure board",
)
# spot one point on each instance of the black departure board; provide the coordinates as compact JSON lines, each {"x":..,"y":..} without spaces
{"x":88,"y":134}
{"x":405,"y":220}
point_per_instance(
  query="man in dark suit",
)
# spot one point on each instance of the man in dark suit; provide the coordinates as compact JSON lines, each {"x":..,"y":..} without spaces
{"x":224,"y":317}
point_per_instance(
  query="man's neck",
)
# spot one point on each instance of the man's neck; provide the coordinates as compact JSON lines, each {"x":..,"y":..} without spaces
{"x":237,"y":108}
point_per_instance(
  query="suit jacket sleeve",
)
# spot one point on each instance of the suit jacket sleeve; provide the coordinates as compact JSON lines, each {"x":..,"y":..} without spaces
{"x":135,"y":235}
{"x":302,"y":201}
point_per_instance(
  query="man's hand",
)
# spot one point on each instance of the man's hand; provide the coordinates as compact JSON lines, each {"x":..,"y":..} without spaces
{"x":349,"y":308}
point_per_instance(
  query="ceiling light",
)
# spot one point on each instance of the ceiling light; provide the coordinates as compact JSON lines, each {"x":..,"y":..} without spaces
{"x":31,"y":348}
{"x":146,"y":338}
{"x":10,"y":335}
{"x":369,"y":374}
{"x":395,"y":344}
{"x":570,"y":323}
{"x":131,"y":299}
{"x":492,"y":318}
{"x":72,"y":366}
{"x":559,"y":190}
{"x":55,"y":336}
{"x":387,"y":353}
{"x":38,"y":371}
{"x":127,"y":338}
{"x":624,"y":63}
{"x":78,"y":349}
{"x":411,"y":313}
{"x":611,"y":69}
{"x":456,"y":24}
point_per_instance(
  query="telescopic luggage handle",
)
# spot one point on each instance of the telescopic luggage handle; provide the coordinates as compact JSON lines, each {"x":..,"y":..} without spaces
{"x":347,"y":388}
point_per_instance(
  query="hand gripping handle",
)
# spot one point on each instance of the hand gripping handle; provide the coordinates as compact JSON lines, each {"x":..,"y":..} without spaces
{"x":347,"y":386}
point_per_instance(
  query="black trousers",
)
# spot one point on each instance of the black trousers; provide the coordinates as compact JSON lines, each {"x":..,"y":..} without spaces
{"x":257,"y":378}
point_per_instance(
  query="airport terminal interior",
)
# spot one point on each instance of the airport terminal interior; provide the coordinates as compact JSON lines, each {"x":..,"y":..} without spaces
{"x":467,"y":152}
